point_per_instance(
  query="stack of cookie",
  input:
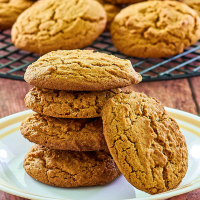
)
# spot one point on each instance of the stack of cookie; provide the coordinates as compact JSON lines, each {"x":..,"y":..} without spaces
{"x":70,"y":90}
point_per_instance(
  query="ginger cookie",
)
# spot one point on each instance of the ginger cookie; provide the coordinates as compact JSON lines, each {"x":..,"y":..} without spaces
{"x":10,"y":10}
{"x":155,"y":29}
{"x":194,"y":4}
{"x":81,"y":70}
{"x":124,"y":1}
{"x":145,"y":142}
{"x":111,"y":11}
{"x":65,"y":134}
{"x":70,"y":168}
{"x":59,"y":24}
{"x":66,"y":104}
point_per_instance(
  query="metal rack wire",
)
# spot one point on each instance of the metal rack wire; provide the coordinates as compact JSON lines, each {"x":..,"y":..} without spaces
{"x":13,"y":62}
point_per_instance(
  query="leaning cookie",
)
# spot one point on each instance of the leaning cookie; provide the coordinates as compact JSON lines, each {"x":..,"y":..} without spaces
{"x":145,"y":142}
{"x":155,"y":29}
{"x":70,"y":168}
{"x":81,"y":70}
{"x":66,"y":104}
{"x":65,"y":134}
{"x":10,"y":10}
{"x":59,"y":24}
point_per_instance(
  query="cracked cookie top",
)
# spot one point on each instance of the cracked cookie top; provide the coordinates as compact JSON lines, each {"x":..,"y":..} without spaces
{"x":70,"y":168}
{"x":66,"y":104}
{"x":59,"y":24}
{"x":194,"y":4}
{"x":81,"y":70}
{"x":145,"y":142}
{"x":10,"y":10}
{"x":155,"y":29}
{"x":65,"y":134}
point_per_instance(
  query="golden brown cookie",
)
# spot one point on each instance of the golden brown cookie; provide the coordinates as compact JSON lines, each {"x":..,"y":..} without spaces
{"x":111,"y":11}
{"x":81,"y":70}
{"x":10,"y":10}
{"x":124,"y":1}
{"x":59,"y":24}
{"x":145,"y":142}
{"x":155,"y":29}
{"x":70,"y":168}
{"x":65,"y":104}
{"x":194,"y":4}
{"x":65,"y":134}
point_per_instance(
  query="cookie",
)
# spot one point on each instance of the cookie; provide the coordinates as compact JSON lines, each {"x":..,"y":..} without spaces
{"x":70,"y":168}
{"x":145,"y":142}
{"x":66,"y":104}
{"x":81,"y":70}
{"x":10,"y":10}
{"x":111,"y":11}
{"x":124,"y":1}
{"x":155,"y":29}
{"x":59,"y":24}
{"x":194,"y":4}
{"x":65,"y":134}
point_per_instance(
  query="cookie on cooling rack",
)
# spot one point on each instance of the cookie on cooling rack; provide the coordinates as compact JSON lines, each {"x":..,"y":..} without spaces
{"x":123,"y":1}
{"x":65,"y":134}
{"x":81,"y":70}
{"x":10,"y":10}
{"x":145,"y":142}
{"x":194,"y":4}
{"x":111,"y":11}
{"x":59,"y":24}
{"x":70,"y":168}
{"x":155,"y":29}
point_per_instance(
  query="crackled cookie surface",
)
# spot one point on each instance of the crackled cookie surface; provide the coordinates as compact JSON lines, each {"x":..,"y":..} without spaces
{"x":58,"y":24}
{"x":65,"y":134}
{"x":194,"y":4}
{"x":10,"y":10}
{"x":70,"y":168}
{"x":145,"y":142}
{"x":155,"y":29}
{"x":66,"y":104}
{"x":81,"y":70}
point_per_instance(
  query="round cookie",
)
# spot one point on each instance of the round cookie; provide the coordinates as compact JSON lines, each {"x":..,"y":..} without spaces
{"x":111,"y":11}
{"x":155,"y":29}
{"x":145,"y":142}
{"x":59,"y":24}
{"x":66,"y":104}
{"x":124,"y":1}
{"x":70,"y":168}
{"x":81,"y":70}
{"x":194,"y":4}
{"x":65,"y":134}
{"x":10,"y":10}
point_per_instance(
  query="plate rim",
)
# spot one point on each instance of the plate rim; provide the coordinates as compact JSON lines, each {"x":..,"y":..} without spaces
{"x":164,"y":195}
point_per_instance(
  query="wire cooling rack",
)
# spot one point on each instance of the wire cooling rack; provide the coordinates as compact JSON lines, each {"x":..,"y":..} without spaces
{"x":13,"y":62}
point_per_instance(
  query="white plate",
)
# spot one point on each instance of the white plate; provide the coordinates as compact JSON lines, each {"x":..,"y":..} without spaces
{"x":14,"y":180}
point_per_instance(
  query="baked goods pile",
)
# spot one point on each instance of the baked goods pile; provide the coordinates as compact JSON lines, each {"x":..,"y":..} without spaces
{"x":87,"y":131}
{"x":138,"y":28}
{"x":70,"y":90}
